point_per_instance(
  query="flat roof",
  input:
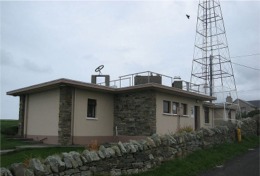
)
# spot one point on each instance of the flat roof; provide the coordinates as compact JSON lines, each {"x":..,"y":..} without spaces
{"x":99,"y":88}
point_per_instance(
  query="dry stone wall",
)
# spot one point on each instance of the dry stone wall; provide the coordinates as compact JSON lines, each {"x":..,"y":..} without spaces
{"x":131,"y":157}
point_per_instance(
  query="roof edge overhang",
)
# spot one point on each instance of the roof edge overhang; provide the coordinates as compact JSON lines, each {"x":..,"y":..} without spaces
{"x":94,"y":87}
{"x":220,"y":106}
{"x":56,"y":84}
{"x":166,"y":89}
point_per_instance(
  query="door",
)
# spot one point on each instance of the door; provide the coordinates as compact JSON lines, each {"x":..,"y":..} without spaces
{"x":197,"y":117}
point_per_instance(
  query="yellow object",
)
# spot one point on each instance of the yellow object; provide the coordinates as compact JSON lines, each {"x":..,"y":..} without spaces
{"x":239,"y":135}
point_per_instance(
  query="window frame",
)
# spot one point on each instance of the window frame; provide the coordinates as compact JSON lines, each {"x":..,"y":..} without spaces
{"x":91,"y":108}
{"x":184,"y":108}
{"x":175,"y":112}
{"x":206,"y":115}
{"x":168,"y":106}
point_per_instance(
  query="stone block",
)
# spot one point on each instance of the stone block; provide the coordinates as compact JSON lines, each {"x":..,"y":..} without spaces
{"x":122,"y":147}
{"x":55,"y":163}
{"x":115,"y":172}
{"x":90,"y":156}
{"x":150,"y":142}
{"x":138,"y":165}
{"x":37,"y":167}
{"x":69,"y":161}
{"x":76,"y":157}
{"x":117,"y":150}
{"x":5,"y":172}
{"x":86,"y":173}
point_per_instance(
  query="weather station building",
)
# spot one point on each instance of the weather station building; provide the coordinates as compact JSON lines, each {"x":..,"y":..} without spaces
{"x":66,"y":112}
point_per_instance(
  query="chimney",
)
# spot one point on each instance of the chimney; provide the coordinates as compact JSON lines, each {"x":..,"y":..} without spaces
{"x":94,"y":79}
{"x":229,"y":99}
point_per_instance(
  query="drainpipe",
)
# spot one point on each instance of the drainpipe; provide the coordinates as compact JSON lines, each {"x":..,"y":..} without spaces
{"x":116,"y":131}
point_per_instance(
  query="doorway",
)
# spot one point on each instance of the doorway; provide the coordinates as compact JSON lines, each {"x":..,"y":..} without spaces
{"x":197,"y":117}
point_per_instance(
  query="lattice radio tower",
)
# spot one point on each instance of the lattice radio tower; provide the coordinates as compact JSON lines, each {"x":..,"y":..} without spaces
{"x":212,"y":71}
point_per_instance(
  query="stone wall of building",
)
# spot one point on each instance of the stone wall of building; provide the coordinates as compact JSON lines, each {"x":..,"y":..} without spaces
{"x":21,"y":115}
{"x":65,"y":113}
{"x":130,"y":157}
{"x":135,"y":113}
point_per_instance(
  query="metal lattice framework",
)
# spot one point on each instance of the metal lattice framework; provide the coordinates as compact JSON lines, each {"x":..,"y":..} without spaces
{"x":211,"y":67}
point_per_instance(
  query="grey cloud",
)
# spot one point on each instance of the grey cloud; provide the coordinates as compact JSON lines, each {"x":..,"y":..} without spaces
{"x":7,"y":58}
{"x":32,"y":66}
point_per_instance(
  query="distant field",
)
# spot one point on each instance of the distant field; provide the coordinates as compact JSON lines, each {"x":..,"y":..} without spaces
{"x":26,"y":154}
{"x":9,"y":127}
{"x":4,"y":124}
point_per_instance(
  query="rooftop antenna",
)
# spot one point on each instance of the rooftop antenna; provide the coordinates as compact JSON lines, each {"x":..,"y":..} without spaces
{"x":94,"y":77}
{"x":99,"y":68}
{"x":211,"y":64}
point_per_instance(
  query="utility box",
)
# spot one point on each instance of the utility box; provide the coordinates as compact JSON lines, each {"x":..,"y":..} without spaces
{"x":148,"y":79}
{"x":177,"y":84}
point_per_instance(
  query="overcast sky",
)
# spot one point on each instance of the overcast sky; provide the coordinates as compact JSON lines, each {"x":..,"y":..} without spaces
{"x":43,"y":41}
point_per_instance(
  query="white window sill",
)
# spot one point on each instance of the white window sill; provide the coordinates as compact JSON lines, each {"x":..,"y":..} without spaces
{"x":168,"y":114}
{"x":91,"y":118}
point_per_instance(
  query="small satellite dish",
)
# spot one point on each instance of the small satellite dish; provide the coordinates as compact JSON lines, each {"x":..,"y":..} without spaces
{"x":99,"y":68}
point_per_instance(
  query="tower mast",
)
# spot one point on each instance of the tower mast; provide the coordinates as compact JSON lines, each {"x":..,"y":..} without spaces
{"x":212,"y":69}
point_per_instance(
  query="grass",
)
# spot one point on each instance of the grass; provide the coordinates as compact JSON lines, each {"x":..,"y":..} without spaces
{"x":7,"y":128}
{"x":191,"y":165}
{"x":9,"y":143}
{"x":25,"y":155}
{"x":203,"y":160}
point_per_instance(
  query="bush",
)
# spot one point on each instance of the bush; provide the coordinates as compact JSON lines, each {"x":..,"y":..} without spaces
{"x":187,"y":129}
{"x":253,"y":113}
{"x":10,"y":131}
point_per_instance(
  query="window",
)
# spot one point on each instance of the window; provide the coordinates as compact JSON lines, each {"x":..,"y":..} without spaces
{"x":92,"y":108}
{"x":229,"y":114}
{"x":184,"y":109}
{"x":206,"y":113}
{"x":166,"y":106}
{"x":175,"y":106}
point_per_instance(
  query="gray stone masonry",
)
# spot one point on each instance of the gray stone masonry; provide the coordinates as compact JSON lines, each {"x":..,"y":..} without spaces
{"x":65,"y":112}
{"x":21,"y":115}
{"x":135,"y":113}
{"x":133,"y":156}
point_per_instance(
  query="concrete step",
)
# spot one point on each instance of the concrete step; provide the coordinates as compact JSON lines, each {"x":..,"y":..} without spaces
{"x":33,"y":142}
{"x":19,"y":138}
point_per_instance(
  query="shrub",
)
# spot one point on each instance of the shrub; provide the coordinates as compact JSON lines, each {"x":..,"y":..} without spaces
{"x":253,"y":113}
{"x":93,"y":146}
{"x":187,"y":129}
{"x":10,"y":131}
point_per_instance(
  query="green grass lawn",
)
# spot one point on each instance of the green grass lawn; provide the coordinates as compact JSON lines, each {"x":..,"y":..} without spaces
{"x":9,"y":143}
{"x":203,"y":160}
{"x":25,"y":154}
{"x":41,"y":153}
{"x":6,"y":128}
{"x":191,"y":165}
{"x":9,"y":127}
